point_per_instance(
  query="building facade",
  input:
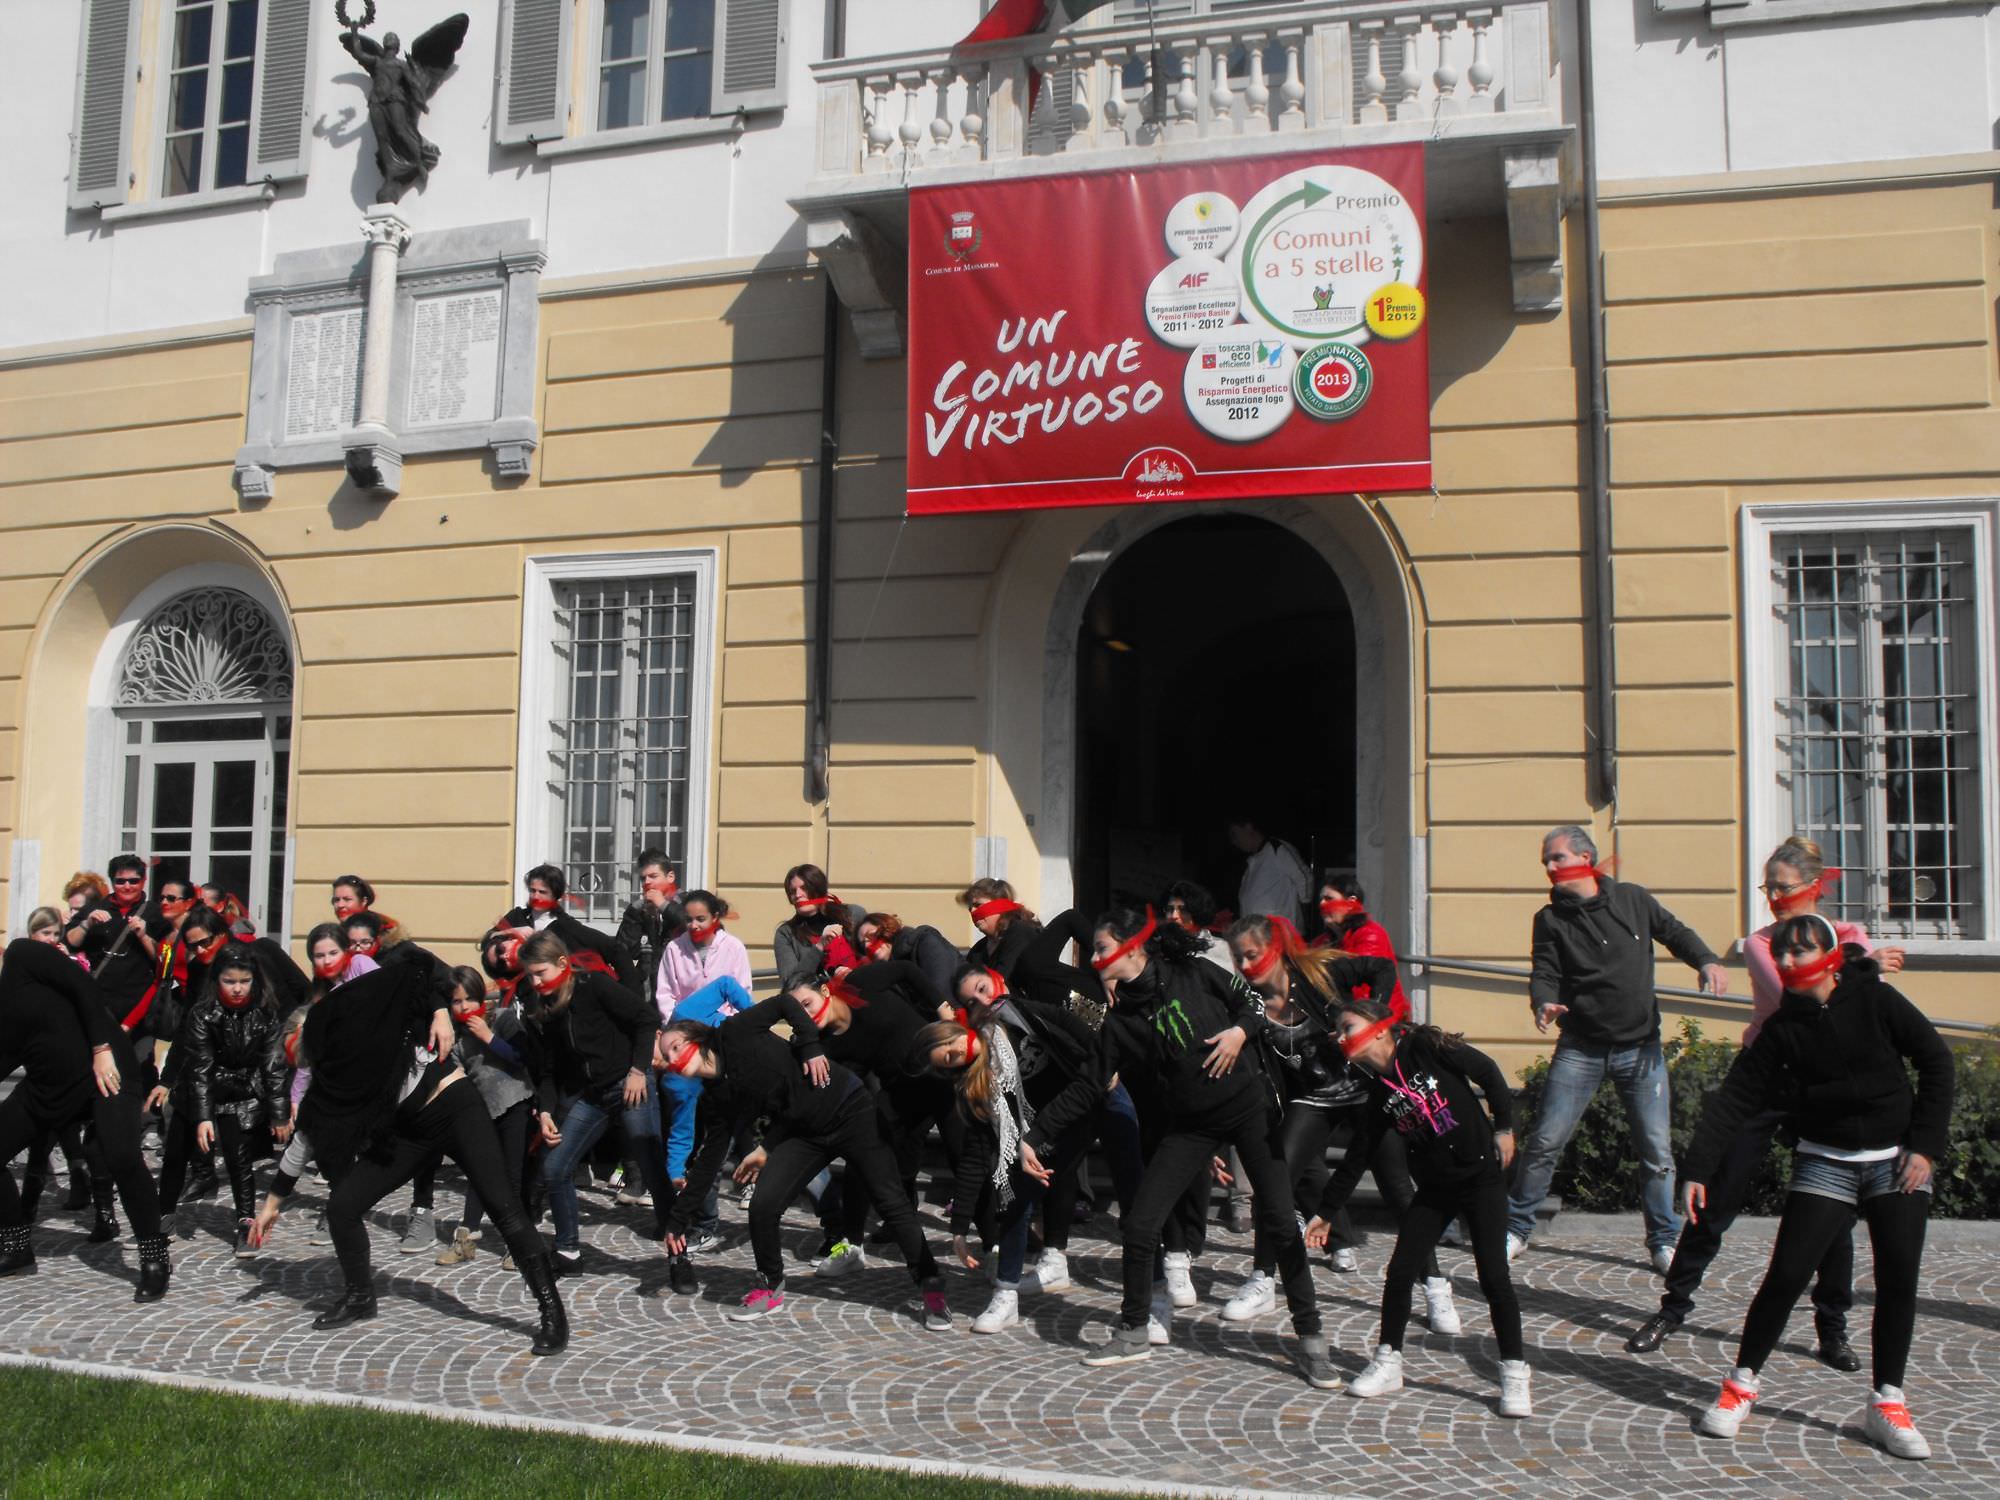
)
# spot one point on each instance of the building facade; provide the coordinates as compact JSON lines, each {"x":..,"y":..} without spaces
{"x":636,"y":568}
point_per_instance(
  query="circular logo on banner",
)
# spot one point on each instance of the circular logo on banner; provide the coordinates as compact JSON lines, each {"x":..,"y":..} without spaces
{"x":1333,"y":381}
{"x":1240,"y":387}
{"x":1202,"y":224}
{"x":1395,"y":311}
{"x":1193,"y":299}
{"x":1320,"y":243}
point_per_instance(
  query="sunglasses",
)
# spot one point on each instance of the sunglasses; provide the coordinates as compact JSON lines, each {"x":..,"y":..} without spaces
{"x":128,"y":880}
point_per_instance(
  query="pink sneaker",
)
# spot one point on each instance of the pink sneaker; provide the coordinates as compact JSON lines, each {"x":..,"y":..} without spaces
{"x":760,"y":1302}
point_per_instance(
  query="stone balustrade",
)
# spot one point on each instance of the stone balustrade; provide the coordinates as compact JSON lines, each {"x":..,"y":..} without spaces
{"x":1360,"y":71}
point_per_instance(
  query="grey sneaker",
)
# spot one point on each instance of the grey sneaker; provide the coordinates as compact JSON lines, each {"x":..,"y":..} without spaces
{"x":1312,"y":1359}
{"x":1124,"y":1346}
{"x":320,"y":1235}
{"x":707,"y":1243}
{"x":420,"y":1234}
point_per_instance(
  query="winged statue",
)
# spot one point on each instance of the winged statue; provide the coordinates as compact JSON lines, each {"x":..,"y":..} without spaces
{"x":399,"y":91}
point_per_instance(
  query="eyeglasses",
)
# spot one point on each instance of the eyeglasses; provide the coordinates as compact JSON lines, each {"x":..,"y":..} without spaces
{"x":128,"y":880}
{"x":1777,"y":888}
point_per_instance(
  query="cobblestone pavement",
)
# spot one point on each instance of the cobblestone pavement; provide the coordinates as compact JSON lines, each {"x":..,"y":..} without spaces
{"x":848,"y":1369}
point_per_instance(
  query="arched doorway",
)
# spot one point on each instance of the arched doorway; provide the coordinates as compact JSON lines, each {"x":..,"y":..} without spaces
{"x":1215,"y":677}
{"x":203,"y":716}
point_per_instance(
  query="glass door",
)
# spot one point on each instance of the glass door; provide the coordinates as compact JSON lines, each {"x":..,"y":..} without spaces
{"x":203,"y":798}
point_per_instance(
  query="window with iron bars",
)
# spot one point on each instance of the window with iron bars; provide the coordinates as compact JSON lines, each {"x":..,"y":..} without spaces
{"x":1877,"y":722}
{"x":619,"y":744}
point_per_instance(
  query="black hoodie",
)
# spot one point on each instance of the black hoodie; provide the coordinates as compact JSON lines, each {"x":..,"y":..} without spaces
{"x":1595,"y":955}
{"x":1839,"y":1068}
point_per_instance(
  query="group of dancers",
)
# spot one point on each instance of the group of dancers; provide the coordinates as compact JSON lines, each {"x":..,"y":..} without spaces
{"x":1185,"y":1048}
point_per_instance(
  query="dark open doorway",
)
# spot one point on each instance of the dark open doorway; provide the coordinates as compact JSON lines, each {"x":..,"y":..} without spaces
{"x":1215,"y":676}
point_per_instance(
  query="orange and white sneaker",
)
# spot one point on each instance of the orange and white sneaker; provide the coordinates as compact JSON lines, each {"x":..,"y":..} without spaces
{"x":1739,"y":1391}
{"x":1890,"y":1428}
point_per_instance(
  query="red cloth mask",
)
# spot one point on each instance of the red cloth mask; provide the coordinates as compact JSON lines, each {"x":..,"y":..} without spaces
{"x":543,"y":903}
{"x":550,"y":986}
{"x":1137,"y":940}
{"x":998,"y":907}
{"x":1805,"y":895}
{"x":664,"y":885}
{"x":700,"y":936}
{"x":332,"y":968}
{"x":1798,"y":975}
{"x":1351,"y":1046}
{"x":1264,"y":962}
{"x":810,"y":903}
{"x":1338,"y":908}
{"x":1576,"y":874}
{"x":683,"y":1059}
{"x":223,"y":995}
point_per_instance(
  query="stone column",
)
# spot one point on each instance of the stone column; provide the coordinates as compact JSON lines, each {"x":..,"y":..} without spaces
{"x":374,"y":454}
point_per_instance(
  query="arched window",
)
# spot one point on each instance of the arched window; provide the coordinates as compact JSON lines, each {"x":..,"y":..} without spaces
{"x":203,"y":702}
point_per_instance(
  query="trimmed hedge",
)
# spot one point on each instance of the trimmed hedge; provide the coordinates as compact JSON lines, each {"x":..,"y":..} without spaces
{"x":1597,"y":1174}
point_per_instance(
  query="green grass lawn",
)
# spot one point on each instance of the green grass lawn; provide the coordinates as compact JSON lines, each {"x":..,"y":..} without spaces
{"x":69,"y":1435}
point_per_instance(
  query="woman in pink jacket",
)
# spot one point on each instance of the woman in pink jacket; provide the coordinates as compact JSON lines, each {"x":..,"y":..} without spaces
{"x":702,"y":954}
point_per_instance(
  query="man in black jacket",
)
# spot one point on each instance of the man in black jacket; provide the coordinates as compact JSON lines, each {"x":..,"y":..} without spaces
{"x":1593,"y":979}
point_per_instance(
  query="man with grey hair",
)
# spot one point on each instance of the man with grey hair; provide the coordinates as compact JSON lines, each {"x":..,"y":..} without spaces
{"x":1593,"y":980}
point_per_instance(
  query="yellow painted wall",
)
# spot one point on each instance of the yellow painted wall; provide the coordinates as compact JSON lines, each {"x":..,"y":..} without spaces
{"x":1761,"y":348}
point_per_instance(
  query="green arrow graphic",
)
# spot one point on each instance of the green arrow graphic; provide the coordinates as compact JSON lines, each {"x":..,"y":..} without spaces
{"x":1305,"y":197}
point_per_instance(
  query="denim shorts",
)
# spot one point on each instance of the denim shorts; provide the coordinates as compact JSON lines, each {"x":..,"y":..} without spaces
{"x":1852,"y":1182}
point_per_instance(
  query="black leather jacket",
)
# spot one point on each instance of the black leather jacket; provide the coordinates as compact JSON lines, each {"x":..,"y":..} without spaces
{"x":236,"y":1063}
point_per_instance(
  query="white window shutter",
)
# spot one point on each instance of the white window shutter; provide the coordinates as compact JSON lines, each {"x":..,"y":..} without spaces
{"x":750,"y":48}
{"x":282,"y":128}
{"x":100,"y":165}
{"x":534,"y":71}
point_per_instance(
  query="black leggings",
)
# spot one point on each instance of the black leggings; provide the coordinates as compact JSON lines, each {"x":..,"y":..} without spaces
{"x":1184,"y":1156}
{"x":453,"y":1124}
{"x":1811,"y":1223}
{"x":116,"y":1124}
{"x":239,"y":1145}
{"x":1482,"y":1202}
{"x":1307,"y":1132}
{"x":904,"y":1114}
{"x":1701,"y":1237}
{"x":855,"y":1138}
{"x":510,"y":1127}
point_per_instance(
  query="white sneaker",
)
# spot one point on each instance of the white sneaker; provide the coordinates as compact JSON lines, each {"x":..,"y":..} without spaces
{"x":1345,"y":1259}
{"x":843,"y":1258}
{"x":1443,"y":1311}
{"x":1515,"y":1401}
{"x":1663,"y":1260}
{"x":1383,"y":1375}
{"x":1180,"y":1278}
{"x":1515,"y":1245}
{"x":1732,"y":1405}
{"x":1256,"y":1296}
{"x":1002,"y":1311}
{"x":1052,"y":1272}
{"x":1160,"y":1323}
{"x":1889,"y":1426}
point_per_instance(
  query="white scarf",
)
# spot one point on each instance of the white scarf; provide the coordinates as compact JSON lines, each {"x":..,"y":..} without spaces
{"x":1007,"y":1086}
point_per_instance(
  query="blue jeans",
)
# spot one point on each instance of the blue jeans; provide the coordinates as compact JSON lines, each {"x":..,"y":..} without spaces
{"x":583,"y":1122}
{"x":1639,"y":1072}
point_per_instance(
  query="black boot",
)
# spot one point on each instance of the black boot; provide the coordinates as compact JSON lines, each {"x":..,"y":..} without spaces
{"x":356,"y":1304}
{"x":17,"y":1252}
{"x":106,"y":1227}
{"x":1652,"y":1333}
{"x":153,"y":1269}
{"x":1835,"y":1350}
{"x":553,"y":1336}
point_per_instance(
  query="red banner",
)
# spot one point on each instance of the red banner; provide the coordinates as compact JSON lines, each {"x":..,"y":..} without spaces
{"x":1221,"y":329}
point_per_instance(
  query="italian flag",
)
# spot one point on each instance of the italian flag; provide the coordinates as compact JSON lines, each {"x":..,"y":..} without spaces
{"x":1017,"y":18}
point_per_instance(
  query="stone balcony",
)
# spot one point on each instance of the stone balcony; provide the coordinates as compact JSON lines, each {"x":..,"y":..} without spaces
{"x":1480,"y":85}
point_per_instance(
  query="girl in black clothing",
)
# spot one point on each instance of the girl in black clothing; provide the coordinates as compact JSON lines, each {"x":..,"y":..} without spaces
{"x":1835,"y":1051}
{"x":868,"y":1023}
{"x":1178,"y":1033}
{"x":599,"y":1039}
{"x":1019,"y":1053}
{"x":816,"y":1112}
{"x":1301,"y":989}
{"x":232,"y":1087}
{"x":1421,"y":1086}
{"x":882,"y":936}
{"x":78,"y":1066}
{"x":386,"y":1092}
{"x":1005,"y":926}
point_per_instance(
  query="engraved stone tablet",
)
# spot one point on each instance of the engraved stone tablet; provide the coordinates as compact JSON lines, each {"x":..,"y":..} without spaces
{"x":323,"y":373}
{"x":454,"y":359}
